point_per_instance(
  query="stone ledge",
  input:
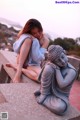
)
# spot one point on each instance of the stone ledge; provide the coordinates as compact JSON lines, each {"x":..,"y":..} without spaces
{"x":21,"y":103}
{"x":9,"y":57}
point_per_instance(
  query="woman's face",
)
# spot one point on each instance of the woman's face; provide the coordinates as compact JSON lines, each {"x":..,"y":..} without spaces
{"x":36,"y":33}
{"x":62,"y":60}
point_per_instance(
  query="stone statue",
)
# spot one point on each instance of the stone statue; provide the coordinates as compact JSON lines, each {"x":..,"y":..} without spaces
{"x":56,"y":77}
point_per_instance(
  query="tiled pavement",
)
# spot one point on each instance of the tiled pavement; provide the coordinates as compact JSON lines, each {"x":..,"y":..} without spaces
{"x":75,"y":95}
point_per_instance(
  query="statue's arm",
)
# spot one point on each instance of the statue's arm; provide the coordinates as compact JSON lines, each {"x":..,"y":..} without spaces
{"x":46,"y":80}
{"x":63,"y":82}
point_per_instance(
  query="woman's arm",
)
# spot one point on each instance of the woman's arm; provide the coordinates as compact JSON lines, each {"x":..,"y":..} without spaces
{"x":44,"y":41}
{"x":64,"y":82}
{"x":39,"y":52}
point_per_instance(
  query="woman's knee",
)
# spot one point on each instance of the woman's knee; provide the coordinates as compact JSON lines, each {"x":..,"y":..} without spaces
{"x":31,"y":73}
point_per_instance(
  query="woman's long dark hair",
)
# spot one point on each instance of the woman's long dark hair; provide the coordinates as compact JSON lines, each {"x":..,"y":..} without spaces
{"x":31,"y":24}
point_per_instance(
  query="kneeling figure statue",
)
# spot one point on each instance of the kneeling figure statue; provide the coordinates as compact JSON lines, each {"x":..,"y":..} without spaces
{"x":56,"y":78}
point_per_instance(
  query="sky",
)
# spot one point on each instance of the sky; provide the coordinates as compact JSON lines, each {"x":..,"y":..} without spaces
{"x":61,"y":19}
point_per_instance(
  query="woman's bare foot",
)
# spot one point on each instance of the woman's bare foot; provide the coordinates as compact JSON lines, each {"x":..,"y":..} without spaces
{"x":16,"y":81}
{"x":11,"y":66}
{"x":17,"y":78}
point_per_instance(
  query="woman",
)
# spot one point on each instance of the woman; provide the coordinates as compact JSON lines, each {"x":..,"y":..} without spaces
{"x":23,"y":46}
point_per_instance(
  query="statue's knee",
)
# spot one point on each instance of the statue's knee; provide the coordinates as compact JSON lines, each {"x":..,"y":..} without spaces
{"x":61,"y":108}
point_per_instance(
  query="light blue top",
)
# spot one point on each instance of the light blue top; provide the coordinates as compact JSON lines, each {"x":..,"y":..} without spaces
{"x":36,"y":54}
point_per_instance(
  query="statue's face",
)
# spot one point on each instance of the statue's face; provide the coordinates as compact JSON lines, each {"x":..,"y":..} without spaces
{"x":62,"y":60}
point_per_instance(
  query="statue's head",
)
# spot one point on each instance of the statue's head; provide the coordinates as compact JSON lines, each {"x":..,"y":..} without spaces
{"x":57,"y":55}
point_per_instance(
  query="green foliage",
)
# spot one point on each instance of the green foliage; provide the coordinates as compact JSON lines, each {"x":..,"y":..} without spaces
{"x":69,"y":44}
{"x":51,"y":42}
{"x":62,"y":43}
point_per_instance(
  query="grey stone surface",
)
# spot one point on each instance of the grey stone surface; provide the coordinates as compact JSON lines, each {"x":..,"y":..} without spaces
{"x":74,"y":61}
{"x":21,"y":104}
{"x":20,"y":101}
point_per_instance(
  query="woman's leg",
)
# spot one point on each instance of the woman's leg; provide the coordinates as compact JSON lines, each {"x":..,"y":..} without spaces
{"x":12,"y":66}
{"x":24,"y":51}
{"x":17,"y":60}
{"x":30,"y":72}
{"x":36,"y":69}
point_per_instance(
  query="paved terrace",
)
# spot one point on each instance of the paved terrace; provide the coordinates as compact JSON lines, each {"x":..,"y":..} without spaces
{"x":18,"y":98}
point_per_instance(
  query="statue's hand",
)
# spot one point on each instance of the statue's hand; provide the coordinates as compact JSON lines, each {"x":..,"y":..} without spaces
{"x":55,"y":66}
{"x":41,"y":98}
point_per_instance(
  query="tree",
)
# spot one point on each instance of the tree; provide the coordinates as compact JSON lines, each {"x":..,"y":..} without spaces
{"x":61,"y":42}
